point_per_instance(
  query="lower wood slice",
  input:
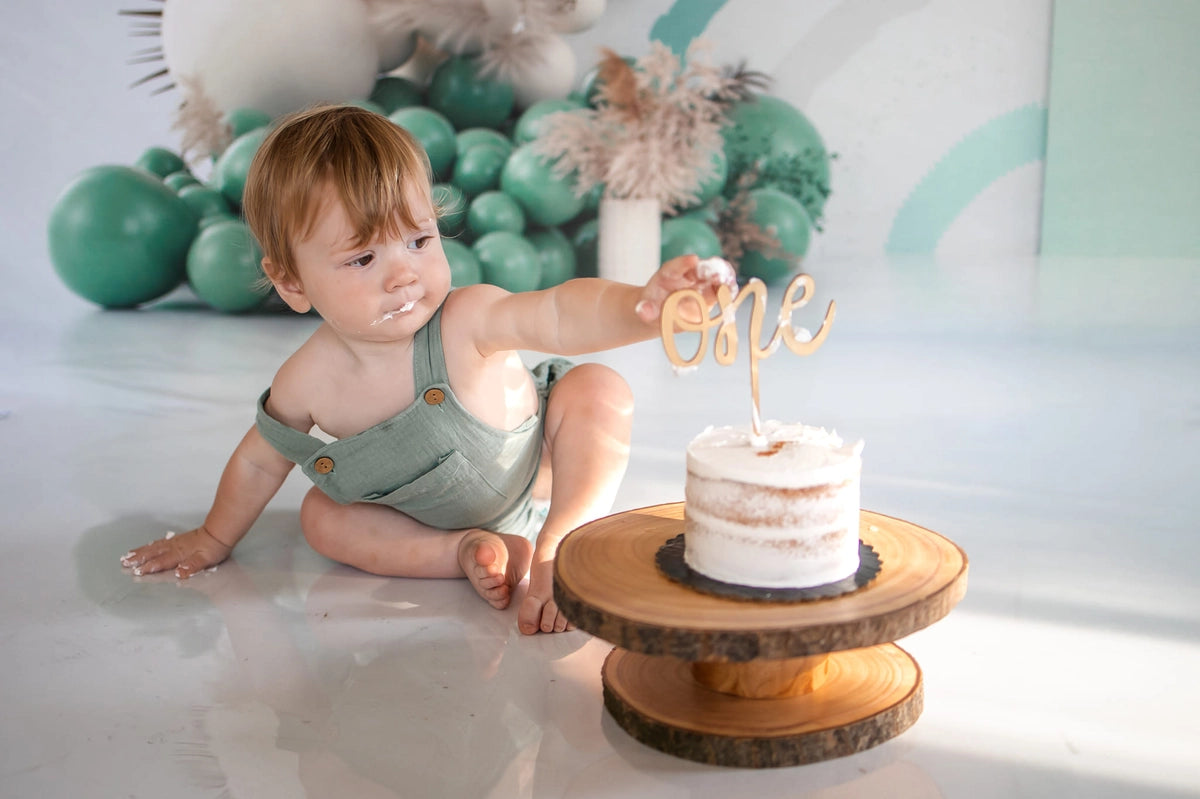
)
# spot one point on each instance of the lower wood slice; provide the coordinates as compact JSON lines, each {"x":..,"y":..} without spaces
{"x":869,"y":696}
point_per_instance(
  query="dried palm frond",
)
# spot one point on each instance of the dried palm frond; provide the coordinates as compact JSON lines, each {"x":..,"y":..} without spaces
{"x":202,"y":123}
{"x":653,"y":132}
{"x":738,"y":232}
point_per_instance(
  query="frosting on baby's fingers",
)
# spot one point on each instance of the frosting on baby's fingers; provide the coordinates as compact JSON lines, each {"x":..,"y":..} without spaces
{"x":718,"y":271}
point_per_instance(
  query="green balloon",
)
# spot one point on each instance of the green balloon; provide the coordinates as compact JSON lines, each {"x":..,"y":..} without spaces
{"x":229,"y":172}
{"x":471,"y":137}
{"x":464,"y":265}
{"x":159,"y":161}
{"x":243,"y":120}
{"x":548,"y":199}
{"x":585,"y":240}
{"x":450,"y":204}
{"x":711,"y":187}
{"x":118,"y":237}
{"x":478,"y":169}
{"x":508,"y":261}
{"x":532,"y":123}
{"x":493,"y":211}
{"x":177,"y":180}
{"x":467,"y":99}
{"x":787,"y":149}
{"x":368,"y":105}
{"x":223,"y":267}
{"x":783,"y":217}
{"x":392,"y":92}
{"x":555,"y":254}
{"x":434,"y":132}
{"x":205,"y":201}
{"x":687,"y":235}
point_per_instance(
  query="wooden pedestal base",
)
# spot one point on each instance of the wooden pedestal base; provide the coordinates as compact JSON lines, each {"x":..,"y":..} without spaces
{"x":869,"y":695}
{"x":755,"y":684}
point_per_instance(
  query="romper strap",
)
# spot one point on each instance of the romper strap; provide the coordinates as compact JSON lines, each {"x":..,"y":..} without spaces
{"x":290,"y":443}
{"x":429,"y":360}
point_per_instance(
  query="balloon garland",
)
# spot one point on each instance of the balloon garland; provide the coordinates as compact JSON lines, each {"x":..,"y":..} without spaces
{"x":517,"y":206}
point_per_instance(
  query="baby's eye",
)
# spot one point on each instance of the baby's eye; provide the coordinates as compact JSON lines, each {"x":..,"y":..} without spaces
{"x":420,"y":242}
{"x":361,"y":261}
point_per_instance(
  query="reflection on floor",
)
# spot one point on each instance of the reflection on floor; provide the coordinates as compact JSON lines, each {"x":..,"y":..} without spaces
{"x":1042,"y":414}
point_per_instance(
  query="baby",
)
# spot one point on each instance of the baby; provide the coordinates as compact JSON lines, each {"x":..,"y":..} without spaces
{"x":444,"y":441}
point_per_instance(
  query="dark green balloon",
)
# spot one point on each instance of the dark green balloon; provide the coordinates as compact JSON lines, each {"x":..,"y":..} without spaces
{"x":532,"y":123}
{"x":585,"y":240}
{"x":711,"y":187}
{"x":782,"y":216}
{"x":243,"y":120}
{"x":177,"y":180}
{"x":687,"y":235}
{"x":508,"y":261}
{"x":471,"y":137}
{"x":392,"y":92}
{"x":555,"y":255}
{"x":787,"y":148}
{"x":547,"y":199}
{"x":223,"y":267}
{"x":467,"y":99}
{"x":478,"y":169}
{"x":464,"y":265}
{"x":160,"y":161}
{"x":118,"y":237}
{"x":450,"y":205}
{"x":434,"y":132}
{"x":493,"y":211}
{"x":205,"y":201}
{"x":229,"y":172}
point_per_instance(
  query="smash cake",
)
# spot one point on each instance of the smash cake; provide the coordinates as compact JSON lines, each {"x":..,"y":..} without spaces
{"x":776,"y":510}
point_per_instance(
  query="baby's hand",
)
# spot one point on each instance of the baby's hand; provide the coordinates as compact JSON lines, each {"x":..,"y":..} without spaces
{"x":188,"y":553}
{"x":685,"y":272}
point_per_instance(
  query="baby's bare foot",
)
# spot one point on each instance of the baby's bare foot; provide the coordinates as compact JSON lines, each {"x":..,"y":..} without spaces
{"x":494,"y":563}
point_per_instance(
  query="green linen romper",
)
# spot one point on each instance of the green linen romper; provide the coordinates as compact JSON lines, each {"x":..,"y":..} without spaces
{"x":433,"y":460}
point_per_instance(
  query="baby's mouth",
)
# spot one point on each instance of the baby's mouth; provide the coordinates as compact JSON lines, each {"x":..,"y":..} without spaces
{"x":403,"y":309}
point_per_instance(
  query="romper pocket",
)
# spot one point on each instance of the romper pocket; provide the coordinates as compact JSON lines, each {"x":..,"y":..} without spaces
{"x":450,"y":496}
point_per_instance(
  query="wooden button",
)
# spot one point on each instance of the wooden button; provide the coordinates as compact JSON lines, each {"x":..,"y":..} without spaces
{"x":323,"y":465}
{"x":435,"y":396}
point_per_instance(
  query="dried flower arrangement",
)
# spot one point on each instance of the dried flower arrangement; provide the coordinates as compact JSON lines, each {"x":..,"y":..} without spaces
{"x":654,"y":129}
{"x":507,"y":45}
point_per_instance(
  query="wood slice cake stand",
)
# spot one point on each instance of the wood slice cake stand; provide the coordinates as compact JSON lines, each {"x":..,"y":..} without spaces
{"x":750,"y":683}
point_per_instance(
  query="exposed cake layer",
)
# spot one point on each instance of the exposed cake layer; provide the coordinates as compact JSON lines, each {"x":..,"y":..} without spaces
{"x":779,"y":513}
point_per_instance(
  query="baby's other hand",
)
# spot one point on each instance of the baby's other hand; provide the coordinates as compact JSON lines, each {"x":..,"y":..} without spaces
{"x":685,"y":272}
{"x":187,"y":553}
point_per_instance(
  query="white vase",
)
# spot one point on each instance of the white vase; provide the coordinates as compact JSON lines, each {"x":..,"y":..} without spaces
{"x":630,"y":240}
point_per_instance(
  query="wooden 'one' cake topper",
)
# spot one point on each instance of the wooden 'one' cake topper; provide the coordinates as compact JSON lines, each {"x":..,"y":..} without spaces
{"x":725,"y":344}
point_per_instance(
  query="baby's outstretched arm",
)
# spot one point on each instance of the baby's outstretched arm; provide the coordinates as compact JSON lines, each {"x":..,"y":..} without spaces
{"x":253,"y":475}
{"x":579,"y":316}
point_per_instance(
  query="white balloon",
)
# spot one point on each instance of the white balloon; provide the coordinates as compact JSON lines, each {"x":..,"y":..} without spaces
{"x":244,"y":56}
{"x":549,"y":75}
{"x":395,"y":47}
{"x":583,"y":16}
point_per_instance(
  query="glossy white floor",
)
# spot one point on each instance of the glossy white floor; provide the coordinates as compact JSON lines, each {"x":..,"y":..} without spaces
{"x":1042,"y":414}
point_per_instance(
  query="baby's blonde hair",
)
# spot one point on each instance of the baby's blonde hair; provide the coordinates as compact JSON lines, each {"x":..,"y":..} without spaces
{"x":368,"y":160}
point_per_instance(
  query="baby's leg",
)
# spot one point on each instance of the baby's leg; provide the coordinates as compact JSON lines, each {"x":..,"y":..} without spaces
{"x":589,"y":418}
{"x":382,"y":540}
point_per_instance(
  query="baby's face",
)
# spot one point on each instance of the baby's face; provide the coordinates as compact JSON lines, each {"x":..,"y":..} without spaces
{"x":383,"y":290}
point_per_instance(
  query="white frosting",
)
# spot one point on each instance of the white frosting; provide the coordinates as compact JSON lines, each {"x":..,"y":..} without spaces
{"x":806,"y":456}
{"x":775,"y":514}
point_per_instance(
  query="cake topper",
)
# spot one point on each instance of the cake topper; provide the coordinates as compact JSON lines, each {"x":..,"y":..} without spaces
{"x":725,"y":343}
